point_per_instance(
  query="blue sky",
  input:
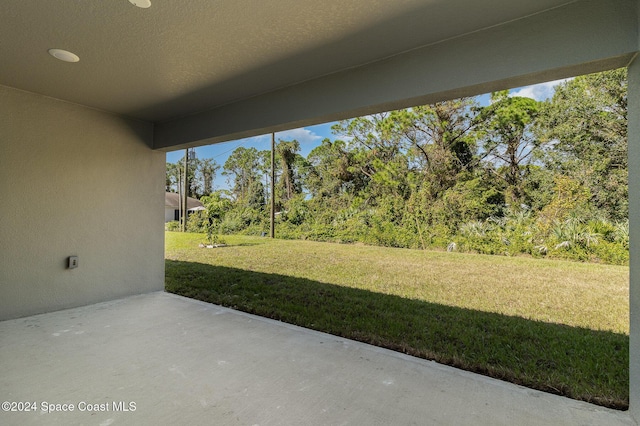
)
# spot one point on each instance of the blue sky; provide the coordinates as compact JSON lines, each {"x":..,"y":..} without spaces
{"x":310,"y":137}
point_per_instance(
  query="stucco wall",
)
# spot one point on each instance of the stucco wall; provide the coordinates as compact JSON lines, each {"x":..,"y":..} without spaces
{"x":75,"y":181}
{"x":634,"y":237}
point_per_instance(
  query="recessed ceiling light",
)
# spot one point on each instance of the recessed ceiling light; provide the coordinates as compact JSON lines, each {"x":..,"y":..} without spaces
{"x":64,"y":55}
{"x":141,"y":3}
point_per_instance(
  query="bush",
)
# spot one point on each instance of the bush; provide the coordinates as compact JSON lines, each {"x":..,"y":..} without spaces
{"x":321,"y":232}
{"x":198,"y":222}
{"x":297,"y":210}
{"x":231,"y":224}
{"x":174,"y":225}
{"x":612,"y":253}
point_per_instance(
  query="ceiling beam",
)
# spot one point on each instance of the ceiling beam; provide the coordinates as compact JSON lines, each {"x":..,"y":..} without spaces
{"x":579,"y":38}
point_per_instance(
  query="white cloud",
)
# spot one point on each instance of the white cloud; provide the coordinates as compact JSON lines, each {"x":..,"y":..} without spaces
{"x":302,"y":135}
{"x":539,"y":92}
{"x":256,"y":139}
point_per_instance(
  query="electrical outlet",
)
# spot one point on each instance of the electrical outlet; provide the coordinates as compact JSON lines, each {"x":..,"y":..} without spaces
{"x":73,"y":262}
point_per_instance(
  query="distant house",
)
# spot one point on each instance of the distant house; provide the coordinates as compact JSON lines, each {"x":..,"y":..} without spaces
{"x":172,"y":206}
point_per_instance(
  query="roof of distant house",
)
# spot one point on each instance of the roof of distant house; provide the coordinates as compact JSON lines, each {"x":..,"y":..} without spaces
{"x":172,"y":200}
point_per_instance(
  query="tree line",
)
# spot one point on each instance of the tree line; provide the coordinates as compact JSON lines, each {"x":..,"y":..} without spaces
{"x":517,"y":176}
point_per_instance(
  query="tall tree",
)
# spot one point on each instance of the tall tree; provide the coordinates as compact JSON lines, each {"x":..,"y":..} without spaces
{"x":585,"y":125}
{"x":287,"y":151}
{"x":172,"y":177}
{"x":207,"y":169}
{"x":508,"y":142}
{"x":371,"y":140}
{"x":330,"y":169}
{"x":175,"y":175}
{"x":192,"y":168}
{"x":376,"y":160}
{"x":243,"y":167}
{"x":440,"y":139}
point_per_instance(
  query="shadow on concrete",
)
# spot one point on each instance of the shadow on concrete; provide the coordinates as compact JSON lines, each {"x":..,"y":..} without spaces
{"x":579,"y":363}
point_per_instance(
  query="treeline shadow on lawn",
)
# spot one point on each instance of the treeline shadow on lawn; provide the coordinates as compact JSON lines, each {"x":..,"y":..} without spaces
{"x":579,"y":363}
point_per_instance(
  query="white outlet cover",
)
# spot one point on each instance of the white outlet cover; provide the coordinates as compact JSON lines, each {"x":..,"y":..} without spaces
{"x":73,"y":262}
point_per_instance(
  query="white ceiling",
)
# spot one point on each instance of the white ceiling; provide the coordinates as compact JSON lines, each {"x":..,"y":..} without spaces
{"x":177,"y":58}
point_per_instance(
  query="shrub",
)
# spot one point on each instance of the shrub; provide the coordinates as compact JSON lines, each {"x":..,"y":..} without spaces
{"x":612,"y":253}
{"x":198,"y":222}
{"x":174,"y":225}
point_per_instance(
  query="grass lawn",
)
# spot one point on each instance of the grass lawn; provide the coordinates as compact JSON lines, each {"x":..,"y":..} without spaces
{"x":558,"y":326}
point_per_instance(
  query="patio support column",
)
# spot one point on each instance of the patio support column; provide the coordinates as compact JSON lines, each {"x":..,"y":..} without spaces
{"x":272,"y":228}
{"x":185,"y":192}
{"x":633,"y":115}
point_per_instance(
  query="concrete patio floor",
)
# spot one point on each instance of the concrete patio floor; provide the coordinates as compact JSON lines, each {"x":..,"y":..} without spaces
{"x":173,"y":360}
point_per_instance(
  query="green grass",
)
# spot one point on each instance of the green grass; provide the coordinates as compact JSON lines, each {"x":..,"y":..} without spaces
{"x":557,"y":326}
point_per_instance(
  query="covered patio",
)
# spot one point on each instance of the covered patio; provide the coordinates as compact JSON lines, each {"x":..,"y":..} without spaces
{"x":82,"y":165}
{"x":181,"y":361}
